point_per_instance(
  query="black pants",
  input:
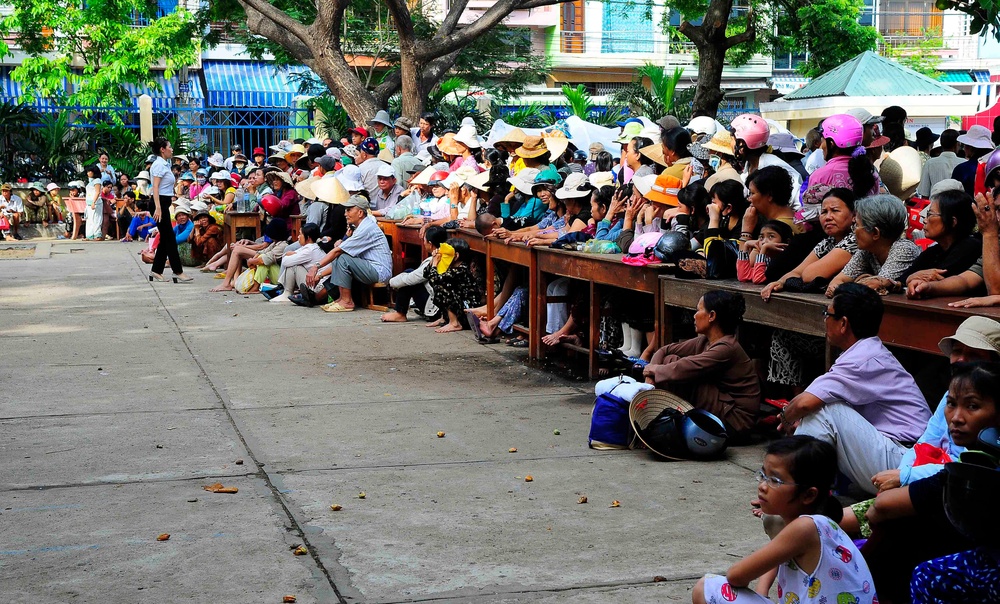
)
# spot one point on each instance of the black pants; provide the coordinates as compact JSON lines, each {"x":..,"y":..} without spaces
{"x":168,"y":245}
{"x":417,"y":293}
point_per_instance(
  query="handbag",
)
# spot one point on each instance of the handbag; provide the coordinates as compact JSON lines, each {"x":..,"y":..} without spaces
{"x":244,"y":281}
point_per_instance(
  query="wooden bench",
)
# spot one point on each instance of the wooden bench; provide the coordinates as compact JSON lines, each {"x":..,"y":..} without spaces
{"x":295,"y":223}
{"x":911,"y":324}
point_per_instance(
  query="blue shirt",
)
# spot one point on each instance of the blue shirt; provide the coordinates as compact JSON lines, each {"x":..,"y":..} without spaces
{"x":182,"y":232}
{"x":965,"y":173}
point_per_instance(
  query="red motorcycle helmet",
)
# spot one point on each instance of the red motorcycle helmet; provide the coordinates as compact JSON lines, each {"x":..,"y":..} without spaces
{"x":271,"y":204}
{"x":438,"y":177}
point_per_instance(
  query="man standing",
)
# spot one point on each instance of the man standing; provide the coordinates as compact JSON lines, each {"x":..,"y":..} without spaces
{"x":388,"y":191}
{"x":405,"y":161}
{"x":363,"y":256}
{"x":866,"y":405}
{"x":978,"y":142}
{"x":369,"y":163}
{"x":941,"y":167}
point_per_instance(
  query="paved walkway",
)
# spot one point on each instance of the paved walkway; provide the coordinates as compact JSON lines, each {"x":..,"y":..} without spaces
{"x":122,"y":399}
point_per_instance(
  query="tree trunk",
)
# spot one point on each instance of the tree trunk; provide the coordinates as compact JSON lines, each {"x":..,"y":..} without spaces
{"x":347,"y":88}
{"x":708,"y":94}
{"x":411,"y":73}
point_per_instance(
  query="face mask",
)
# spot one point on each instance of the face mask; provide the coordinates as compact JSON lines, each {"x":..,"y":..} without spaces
{"x":714,"y":161}
{"x":201,"y":180}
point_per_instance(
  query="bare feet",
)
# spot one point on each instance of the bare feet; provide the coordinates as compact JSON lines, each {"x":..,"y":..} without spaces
{"x":393,"y":317}
{"x":437,"y":323}
{"x":479,"y":311}
{"x":571,"y":339}
{"x":449,"y":327}
{"x":486,"y":328}
{"x":551,"y":339}
{"x":222,"y":288}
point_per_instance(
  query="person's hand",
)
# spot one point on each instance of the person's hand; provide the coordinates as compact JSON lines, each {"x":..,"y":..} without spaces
{"x":986,"y":214}
{"x":423,"y":230}
{"x":509,"y":196}
{"x":830,"y":289}
{"x":771,"y":288}
{"x":714,"y":213}
{"x":929,"y":274}
{"x":749,"y":220}
{"x":465,"y":223}
{"x":618,"y":202}
{"x":436,"y":258}
{"x":916,"y":290}
{"x":688,"y":173}
{"x":885,"y":480}
{"x":311,"y":279}
{"x":788,"y":429}
{"x":501,"y":233}
{"x":634,"y":207}
{"x":772,"y":247}
{"x":157,"y":214}
{"x":976,"y":302}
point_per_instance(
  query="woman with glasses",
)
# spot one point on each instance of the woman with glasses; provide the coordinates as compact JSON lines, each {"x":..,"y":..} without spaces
{"x":883,"y":255}
{"x":949,"y":224}
{"x":712,"y":371}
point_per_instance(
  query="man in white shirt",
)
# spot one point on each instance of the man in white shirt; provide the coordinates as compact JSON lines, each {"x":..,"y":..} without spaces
{"x":388,"y":191}
{"x":295,"y":265}
{"x":369,"y":164}
{"x":939,"y":168}
{"x":12,"y":207}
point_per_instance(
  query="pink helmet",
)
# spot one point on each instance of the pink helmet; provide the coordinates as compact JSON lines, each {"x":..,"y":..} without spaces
{"x":751,"y":129}
{"x":845,"y":130}
{"x":992,"y":163}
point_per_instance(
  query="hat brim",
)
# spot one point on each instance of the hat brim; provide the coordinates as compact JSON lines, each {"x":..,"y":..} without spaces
{"x":655,"y":153}
{"x":449,"y":146}
{"x":530,"y":153}
{"x":975,"y":143}
{"x":879,"y":142}
{"x":556,"y":145}
{"x":329,"y":190}
{"x":521,"y":185}
{"x":304,"y":188}
{"x":647,"y":406}
{"x":573,"y":193}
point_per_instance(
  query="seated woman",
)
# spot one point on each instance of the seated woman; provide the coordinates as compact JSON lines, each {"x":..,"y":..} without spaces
{"x":692,"y":212}
{"x":883,"y":253}
{"x":949,"y":224}
{"x":755,"y":254}
{"x":454,"y":286}
{"x":435,"y":207}
{"x":711,"y":371}
{"x":543,"y":189}
{"x":206,"y":238}
{"x":909,"y":524}
{"x":142,"y":221}
{"x":413,"y":285}
{"x":576,"y":211}
{"x":607,"y":213}
{"x":270,"y":247}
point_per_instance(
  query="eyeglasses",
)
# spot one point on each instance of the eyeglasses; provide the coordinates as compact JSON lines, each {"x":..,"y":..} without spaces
{"x":831,"y":315}
{"x":929,"y":214}
{"x":772,"y":481}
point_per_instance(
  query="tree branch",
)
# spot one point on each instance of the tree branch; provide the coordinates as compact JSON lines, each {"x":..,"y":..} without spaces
{"x":329,"y":14}
{"x":268,"y":12}
{"x":526,"y":4}
{"x":748,"y":35}
{"x":265,"y":26}
{"x":391,"y":84}
{"x":437,"y":47}
{"x":403,"y":19}
{"x":451,"y":19}
{"x":693,"y":33}
{"x":435,"y":70}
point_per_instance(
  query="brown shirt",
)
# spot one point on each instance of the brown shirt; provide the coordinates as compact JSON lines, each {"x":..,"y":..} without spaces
{"x":719,"y":378}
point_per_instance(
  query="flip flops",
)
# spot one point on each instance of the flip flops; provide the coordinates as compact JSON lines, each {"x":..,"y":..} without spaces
{"x":335,"y":307}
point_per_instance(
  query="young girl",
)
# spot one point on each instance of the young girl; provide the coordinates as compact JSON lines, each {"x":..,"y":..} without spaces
{"x":814,"y":560}
{"x":756,"y":254}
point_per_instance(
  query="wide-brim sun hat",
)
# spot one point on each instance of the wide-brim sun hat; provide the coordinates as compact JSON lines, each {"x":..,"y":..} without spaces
{"x":381,"y":117}
{"x":721,"y":142}
{"x":479,"y":181}
{"x":532,"y":146}
{"x":556,"y":142}
{"x":423,"y":177}
{"x":646,"y":406}
{"x":630,"y":131}
{"x":328,"y":189}
{"x":524,"y":180}
{"x":280,"y":175}
{"x":386,"y":156}
{"x":143,"y":175}
{"x":662,"y":189}
{"x":980,"y":333}
{"x":900,"y":172}
{"x":304,"y":188}
{"x":216,"y":160}
{"x":182,"y":206}
{"x":52,"y":187}
{"x":514,"y":136}
{"x":655,"y":153}
{"x":295,"y":150}
{"x":448,"y":145}
{"x":350,"y":177}
{"x":576,"y":186}
{"x":468,"y":137}
{"x":602,"y":179}
{"x":978,"y":137}
{"x":221,"y":175}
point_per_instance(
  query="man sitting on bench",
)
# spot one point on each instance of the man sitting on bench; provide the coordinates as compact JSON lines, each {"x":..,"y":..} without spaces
{"x":866,"y":405}
{"x":363,"y":255}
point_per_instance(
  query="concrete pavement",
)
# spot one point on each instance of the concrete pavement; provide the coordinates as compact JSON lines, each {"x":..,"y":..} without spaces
{"x":122,"y":399}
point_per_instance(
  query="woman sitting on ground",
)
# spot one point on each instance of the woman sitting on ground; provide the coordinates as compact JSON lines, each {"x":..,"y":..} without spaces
{"x":268,"y":249}
{"x":454,"y":286}
{"x":883,"y":254}
{"x":206,"y":238}
{"x":142,"y":221}
{"x":412,"y":285}
{"x":711,"y":371}
{"x":949,"y":223}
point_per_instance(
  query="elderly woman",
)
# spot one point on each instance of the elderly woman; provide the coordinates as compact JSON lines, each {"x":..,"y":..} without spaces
{"x":883,"y":255}
{"x":711,"y":371}
{"x":949,"y":224}
{"x":282,"y":188}
{"x":206,"y":237}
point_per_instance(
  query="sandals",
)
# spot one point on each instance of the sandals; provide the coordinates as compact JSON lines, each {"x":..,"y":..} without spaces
{"x":518,"y":343}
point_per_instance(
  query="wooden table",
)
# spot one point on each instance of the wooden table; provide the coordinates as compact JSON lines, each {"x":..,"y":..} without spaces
{"x":240,"y":220}
{"x":912,"y":324}
{"x":597,"y":270}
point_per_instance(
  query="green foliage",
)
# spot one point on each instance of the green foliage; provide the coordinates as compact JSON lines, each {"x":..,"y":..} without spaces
{"x":58,"y":145}
{"x":985,"y":14}
{"x":100,"y":34}
{"x":126,"y":152}
{"x":533,"y":115}
{"x":333,"y":117}
{"x":452,"y":101}
{"x":15,"y":130}
{"x":656,"y":101}
{"x":920,"y":56}
{"x":180,"y":141}
{"x":827,"y":29}
{"x":581,"y":104}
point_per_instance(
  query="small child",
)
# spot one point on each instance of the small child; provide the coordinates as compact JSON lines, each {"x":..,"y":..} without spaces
{"x":755,"y":255}
{"x":813,"y":558}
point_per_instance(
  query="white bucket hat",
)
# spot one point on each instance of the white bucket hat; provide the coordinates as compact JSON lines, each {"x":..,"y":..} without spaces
{"x":978,"y":137}
{"x":467,"y":136}
{"x":524,"y":180}
{"x":216,"y":160}
{"x":350,"y":177}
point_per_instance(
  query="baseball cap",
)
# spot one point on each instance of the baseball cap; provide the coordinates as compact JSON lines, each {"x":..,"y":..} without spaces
{"x":328,"y":163}
{"x":385,"y":171}
{"x":369,"y":146}
{"x":356,"y":201}
{"x":975,"y":332}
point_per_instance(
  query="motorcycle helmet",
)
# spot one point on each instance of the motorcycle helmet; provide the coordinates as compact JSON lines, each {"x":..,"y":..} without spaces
{"x":643,"y":242}
{"x":270,"y":203}
{"x":704,"y":434}
{"x":670,"y":245}
{"x":844,"y":130}
{"x":992,"y":163}
{"x":703,"y":124}
{"x":971,"y":493}
{"x":751,"y":129}
{"x":657,"y":417}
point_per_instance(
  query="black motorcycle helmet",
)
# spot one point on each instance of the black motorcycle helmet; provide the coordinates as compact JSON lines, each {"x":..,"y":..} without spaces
{"x":670,"y":245}
{"x":663,"y":435}
{"x":972,"y":490}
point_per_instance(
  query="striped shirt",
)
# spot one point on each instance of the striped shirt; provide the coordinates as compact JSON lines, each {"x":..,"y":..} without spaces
{"x":368,"y":242}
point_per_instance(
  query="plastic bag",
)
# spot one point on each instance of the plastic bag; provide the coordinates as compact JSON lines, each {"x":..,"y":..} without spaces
{"x":244,"y":281}
{"x":600,"y":246}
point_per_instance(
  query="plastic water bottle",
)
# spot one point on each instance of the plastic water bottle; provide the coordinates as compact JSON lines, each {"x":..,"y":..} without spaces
{"x":238,"y":199}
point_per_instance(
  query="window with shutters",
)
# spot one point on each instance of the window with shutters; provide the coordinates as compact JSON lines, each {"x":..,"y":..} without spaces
{"x":572,"y":29}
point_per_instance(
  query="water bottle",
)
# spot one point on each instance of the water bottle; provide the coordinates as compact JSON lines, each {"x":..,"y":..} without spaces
{"x":238,"y":199}
{"x":427,"y":215}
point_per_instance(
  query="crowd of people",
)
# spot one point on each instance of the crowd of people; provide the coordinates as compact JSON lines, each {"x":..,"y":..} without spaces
{"x":860,"y":210}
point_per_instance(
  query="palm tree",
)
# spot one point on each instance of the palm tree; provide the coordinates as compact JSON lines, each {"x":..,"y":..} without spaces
{"x":15,"y":129}
{"x":581,"y":104}
{"x":58,"y":145}
{"x":660,"y":98}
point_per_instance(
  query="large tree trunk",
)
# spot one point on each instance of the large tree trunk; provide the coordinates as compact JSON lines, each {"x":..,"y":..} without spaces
{"x":411,"y":76}
{"x":347,"y":88}
{"x":708,"y":93}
